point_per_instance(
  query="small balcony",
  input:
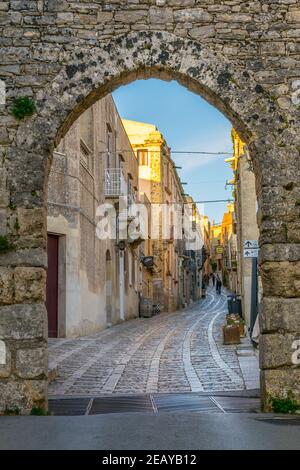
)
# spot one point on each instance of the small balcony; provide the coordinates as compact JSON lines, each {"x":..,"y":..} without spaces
{"x":114,"y":183}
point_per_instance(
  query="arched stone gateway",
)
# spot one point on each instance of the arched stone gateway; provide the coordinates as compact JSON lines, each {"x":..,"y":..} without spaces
{"x":83,"y":75}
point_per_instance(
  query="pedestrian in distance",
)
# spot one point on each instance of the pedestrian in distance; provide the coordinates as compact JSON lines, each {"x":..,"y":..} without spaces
{"x":218,"y":284}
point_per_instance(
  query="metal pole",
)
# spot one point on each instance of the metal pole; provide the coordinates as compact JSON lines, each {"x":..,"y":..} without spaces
{"x":254,"y":294}
{"x":121,"y":285}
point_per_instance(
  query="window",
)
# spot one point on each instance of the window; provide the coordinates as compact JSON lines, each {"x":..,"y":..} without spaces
{"x":86,"y":128}
{"x":109,"y":145}
{"x":143,"y":157}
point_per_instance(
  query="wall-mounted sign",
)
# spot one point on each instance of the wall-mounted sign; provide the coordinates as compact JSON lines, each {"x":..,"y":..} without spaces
{"x":250,"y":244}
{"x":251,"y":253}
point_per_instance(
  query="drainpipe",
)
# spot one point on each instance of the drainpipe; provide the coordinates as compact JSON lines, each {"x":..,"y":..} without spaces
{"x":121,"y":285}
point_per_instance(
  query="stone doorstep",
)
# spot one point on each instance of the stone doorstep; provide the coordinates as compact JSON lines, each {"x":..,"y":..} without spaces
{"x":53,"y":372}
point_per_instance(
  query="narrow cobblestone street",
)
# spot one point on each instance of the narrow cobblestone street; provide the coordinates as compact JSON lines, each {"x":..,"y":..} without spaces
{"x":169,"y":353}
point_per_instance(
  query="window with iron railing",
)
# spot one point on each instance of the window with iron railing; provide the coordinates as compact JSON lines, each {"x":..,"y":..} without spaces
{"x":114,"y":183}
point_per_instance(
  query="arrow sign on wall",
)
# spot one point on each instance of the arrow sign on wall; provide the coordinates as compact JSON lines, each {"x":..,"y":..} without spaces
{"x":251,"y":244}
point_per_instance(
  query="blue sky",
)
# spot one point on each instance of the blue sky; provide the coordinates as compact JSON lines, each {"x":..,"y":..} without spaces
{"x":188,"y":123}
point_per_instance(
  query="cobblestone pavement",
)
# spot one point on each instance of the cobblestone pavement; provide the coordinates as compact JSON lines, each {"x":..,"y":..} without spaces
{"x":174,"y":352}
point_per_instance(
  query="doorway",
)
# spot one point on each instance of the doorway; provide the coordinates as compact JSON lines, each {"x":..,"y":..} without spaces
{"x":52,"y":285}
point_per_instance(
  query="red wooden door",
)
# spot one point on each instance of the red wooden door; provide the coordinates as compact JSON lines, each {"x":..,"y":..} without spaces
{"x":52,"y":285}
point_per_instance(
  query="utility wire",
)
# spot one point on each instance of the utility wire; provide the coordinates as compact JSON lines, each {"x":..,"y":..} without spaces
{"x":191,"y":152}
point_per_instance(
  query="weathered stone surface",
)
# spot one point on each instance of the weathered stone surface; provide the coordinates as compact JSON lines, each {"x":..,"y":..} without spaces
{"x":4,"y":194}
{"x":31,"y":363}
{"x":30,"y":284}
{"x":32,"y":221}
{"x":280,"y":252}
{"x":293,"y":16}
{"x":278,"y":383}
{"x":24,"y":257}
{"x":202,"y":32}
{"x":192,"y":15}
{"x":280,"y":314}
{"x":23,"y":322}
{"x":281,"y":279}
{"x":275,"y":350}
{"x":6,"y":286}
{"x":5,"y":368}
{"x":22,"y":395}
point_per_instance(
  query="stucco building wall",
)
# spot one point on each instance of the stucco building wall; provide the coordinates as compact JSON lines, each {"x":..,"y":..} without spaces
{"x":76,"y":189}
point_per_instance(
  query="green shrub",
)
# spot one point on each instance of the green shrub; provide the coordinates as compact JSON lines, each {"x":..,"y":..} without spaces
{"x":23,"y":106}
{"x":35,"y":411}
{"x":285,"y":405}
{"x":12,"y":411}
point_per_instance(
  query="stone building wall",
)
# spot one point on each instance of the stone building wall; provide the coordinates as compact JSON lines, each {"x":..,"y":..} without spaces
{"x":75,"y":190}
{"x":243,"y":57}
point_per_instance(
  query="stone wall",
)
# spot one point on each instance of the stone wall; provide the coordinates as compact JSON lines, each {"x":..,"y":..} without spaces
{"x":243,"y":57}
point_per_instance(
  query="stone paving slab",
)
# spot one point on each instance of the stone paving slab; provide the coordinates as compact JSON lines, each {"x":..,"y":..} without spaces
{"x":177,"y":352}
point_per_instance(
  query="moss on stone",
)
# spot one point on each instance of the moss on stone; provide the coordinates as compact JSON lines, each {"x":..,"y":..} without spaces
{"x":23,"y":106}
{"x":5,"y":244}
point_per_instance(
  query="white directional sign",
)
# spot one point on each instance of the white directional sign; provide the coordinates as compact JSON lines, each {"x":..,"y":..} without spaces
{"x":250,"y":244}
{"x":251,"y":253}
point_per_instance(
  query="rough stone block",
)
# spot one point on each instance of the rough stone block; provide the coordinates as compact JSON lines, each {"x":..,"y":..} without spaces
{"x":280,"y":314}
{"x":202,"y":32}
{"x":278,"y":383}
{"x":31,"y":363}
{"x":3,"y":222}
{"x":281,"y":279}
{"x":24,"y":257}
{"x":196,"y":15}
{"x":130,"y":16}
{"x":23,"y":395}
{"x":30,"y":284}
{"x":160,"y":15}
{"x":6,"y":286}
{"x":280,"y":252}
{"x":276,"y":350}
{"x":23,"y":322}
{"x":32,"y":221}
{"x":5,"y":360}
{"x":293,"y":16}
{"x":4,"y":194}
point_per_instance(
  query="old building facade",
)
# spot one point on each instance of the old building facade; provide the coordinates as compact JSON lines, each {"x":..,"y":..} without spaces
{"x":160,"y":185}
{"x":245,"y":214}
{"x":242,"y":58}
{"x":91,"y":282}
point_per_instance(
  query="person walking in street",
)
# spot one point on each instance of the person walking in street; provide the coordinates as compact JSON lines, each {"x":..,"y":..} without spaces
{"x":218,"y":284}
{"x":213,"y":277}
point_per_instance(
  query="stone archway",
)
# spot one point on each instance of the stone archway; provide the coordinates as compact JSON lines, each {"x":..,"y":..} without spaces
{"x":85,"y":76}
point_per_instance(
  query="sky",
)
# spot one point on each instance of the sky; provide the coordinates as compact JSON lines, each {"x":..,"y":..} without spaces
{"x":188,"y":123}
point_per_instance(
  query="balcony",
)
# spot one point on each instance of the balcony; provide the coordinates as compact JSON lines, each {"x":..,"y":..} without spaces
{"x":114,"y":183}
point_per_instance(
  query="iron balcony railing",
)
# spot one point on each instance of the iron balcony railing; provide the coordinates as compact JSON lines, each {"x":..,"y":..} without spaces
{"x":114,"y":183}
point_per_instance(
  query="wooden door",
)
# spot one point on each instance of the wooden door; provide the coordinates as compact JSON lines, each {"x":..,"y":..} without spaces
{"x":52,"y":285}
